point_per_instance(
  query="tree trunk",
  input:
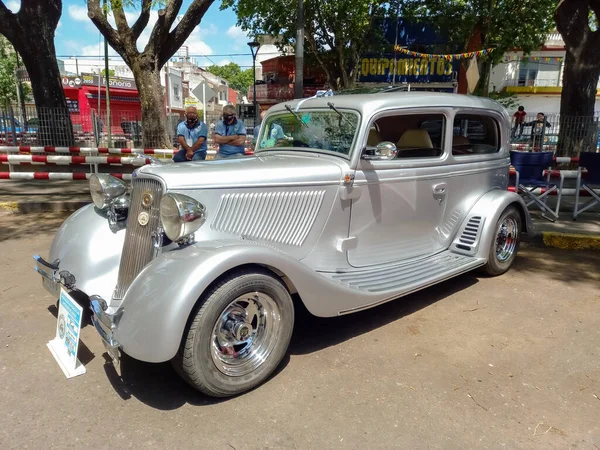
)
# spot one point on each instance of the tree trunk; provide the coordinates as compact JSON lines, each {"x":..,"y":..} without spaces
{"x":154,"y":129}
{"x":577,"y":131}
{"x":35,"y":44}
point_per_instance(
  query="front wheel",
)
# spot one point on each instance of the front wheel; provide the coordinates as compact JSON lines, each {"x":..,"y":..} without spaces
{"x":239,"y":335}
{"x":505,"y":243}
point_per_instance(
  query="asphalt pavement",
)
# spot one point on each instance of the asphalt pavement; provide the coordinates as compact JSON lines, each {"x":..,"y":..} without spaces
{"x":474,"y":362}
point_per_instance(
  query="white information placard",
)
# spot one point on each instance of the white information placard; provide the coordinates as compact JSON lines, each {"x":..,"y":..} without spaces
{"x":66,"y":343}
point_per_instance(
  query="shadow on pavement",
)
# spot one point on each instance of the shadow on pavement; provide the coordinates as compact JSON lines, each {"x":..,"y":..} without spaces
{"x":573,"y":266}
{"x":21,"y":226}
{"x":160,"y":387}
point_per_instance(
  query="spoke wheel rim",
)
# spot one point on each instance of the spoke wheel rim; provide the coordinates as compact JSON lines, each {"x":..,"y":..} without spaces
{"x":245,"y":334}
{"x":507,"y":237}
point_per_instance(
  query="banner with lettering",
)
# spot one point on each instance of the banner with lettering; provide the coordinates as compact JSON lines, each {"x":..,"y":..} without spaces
{"x":408,"y":69}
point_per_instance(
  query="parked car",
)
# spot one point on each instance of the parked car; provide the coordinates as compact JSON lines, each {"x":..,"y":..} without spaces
{"x":6,"y":125}
{"x":354,"y":207}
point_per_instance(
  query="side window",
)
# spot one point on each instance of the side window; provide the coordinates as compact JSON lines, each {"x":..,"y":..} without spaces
{"x":415,"y":135}
{"x":475,"y":135}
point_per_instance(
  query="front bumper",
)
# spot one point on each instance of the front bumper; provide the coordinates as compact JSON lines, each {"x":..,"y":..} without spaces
{"x":53,"y":279}
{"x":105,"y":324}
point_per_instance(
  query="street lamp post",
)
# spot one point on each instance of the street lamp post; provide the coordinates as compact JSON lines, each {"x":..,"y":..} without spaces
{"x":254,"y":46}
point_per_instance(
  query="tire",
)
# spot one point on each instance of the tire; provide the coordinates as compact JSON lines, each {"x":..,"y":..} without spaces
{"x":504,"y":247}
{"x":238,"y":336}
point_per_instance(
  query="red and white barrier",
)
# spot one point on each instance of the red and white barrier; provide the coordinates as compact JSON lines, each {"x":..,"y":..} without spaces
{"x":568,"y":192}
{"x":568,"y":174}
{"x":67,"y":160}
{"x":93,"y":150}
{"x":118,"y":151}
{"x":55,"y":176}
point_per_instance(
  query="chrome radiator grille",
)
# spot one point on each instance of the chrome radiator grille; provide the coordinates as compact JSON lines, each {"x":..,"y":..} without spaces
{"x":138,"y":248}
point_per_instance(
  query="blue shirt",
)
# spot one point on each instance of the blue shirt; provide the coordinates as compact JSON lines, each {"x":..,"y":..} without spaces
{"x":276,"y":132}
{"x":223,"y":129}
{"x":191,"y":135}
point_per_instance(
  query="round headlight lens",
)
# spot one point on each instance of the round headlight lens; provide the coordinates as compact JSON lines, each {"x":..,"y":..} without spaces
{"x":105,"y":188}
{"x":181,"y":215}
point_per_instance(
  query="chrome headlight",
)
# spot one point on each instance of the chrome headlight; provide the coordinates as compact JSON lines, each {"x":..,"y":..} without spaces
{"x":105,"y":188}
{"x":181,"y":215}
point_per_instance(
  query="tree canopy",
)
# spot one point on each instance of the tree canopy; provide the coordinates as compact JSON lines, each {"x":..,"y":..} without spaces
{"x":8,"y":82}
{"x":336,"y":32}
{"x":238,"y":79}
{"x":502,"y":25}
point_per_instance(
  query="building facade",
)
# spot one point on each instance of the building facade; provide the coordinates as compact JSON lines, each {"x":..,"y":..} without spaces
{"x":535,"y":79}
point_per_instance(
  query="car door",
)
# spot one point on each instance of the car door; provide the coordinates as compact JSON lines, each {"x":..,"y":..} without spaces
{"x":403,"y":201}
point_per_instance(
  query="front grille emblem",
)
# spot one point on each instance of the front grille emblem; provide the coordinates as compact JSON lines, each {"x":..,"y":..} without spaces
{"x":147,"y":199}
{"x":143,"y":218}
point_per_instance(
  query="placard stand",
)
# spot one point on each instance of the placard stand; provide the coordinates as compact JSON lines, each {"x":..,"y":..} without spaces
{"x":66,"y":342}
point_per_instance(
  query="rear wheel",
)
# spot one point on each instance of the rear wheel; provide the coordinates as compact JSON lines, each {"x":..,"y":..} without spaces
{"x":239,"y":335}
{"x":505,"y":244}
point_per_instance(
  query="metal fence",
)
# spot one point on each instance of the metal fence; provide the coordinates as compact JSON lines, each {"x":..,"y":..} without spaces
{"x":565,"y":135}
{"x":55,"y":127}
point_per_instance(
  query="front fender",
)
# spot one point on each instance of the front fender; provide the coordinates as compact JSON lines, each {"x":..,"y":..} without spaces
{"x":154,"y":312}
{"x":89,"y":248}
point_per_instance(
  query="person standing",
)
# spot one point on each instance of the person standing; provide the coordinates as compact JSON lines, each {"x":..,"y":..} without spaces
{"x":230,"y":134}
{"x":191,"y":135}
{"x":538,"y":130}
{"x":519,"y":121}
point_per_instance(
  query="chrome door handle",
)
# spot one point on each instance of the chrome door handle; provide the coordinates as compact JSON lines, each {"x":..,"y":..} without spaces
{"x":439,"y":189}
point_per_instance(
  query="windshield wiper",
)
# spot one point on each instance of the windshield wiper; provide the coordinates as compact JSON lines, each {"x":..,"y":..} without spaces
{"x":342,"y":116}
{"x":295,"y":115}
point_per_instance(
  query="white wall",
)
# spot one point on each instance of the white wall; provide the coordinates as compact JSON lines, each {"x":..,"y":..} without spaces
{"x":548,"y":104}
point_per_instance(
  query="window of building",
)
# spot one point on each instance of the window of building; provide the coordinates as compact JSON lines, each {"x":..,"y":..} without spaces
{"x":528,"y":72}
{"x":176,"y":91}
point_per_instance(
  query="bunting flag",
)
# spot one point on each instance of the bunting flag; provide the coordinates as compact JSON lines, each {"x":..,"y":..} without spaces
{"x":468,"y":55}
{"x":543,"y":59}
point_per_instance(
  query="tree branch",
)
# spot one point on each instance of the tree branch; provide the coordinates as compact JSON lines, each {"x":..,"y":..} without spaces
{"x":142,"y":21}
{"x":160,"y":32}
{"x":181,"y":32}
{"x":8,"y":22}
{"x":97,"y":16}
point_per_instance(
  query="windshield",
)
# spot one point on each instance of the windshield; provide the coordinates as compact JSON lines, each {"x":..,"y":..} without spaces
{"x":329,"y":131}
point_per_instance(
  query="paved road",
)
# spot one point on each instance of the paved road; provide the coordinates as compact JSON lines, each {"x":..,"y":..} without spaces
{"x":472,"y":363}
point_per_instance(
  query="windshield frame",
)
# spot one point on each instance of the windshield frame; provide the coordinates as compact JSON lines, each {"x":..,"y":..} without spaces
{"x":301,"y":111}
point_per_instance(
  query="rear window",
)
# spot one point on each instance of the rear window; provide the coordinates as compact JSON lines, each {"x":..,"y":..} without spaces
{"x":475,"y":135}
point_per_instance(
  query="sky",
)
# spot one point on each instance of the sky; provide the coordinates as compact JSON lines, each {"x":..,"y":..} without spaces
{"x":216,"y":41}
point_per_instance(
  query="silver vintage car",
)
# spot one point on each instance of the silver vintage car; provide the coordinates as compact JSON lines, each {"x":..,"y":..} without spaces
{"x":349,"y":201}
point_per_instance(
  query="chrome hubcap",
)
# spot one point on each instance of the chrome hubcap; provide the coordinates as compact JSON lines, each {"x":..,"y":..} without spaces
{"x":245,"y":334}
{"x":506,"y":239}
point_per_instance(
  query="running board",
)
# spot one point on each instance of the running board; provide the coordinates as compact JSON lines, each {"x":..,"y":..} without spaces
{"x":406,"y":278}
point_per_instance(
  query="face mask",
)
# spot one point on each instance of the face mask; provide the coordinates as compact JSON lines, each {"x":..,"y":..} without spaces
{"x":227,"y":117}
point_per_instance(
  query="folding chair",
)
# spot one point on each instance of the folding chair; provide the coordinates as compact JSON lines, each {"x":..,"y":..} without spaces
{"x":530,"y":176}
{"x":591,"y":161}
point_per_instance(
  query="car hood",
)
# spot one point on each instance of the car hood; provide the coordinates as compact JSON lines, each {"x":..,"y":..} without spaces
{"x":250,"y":171}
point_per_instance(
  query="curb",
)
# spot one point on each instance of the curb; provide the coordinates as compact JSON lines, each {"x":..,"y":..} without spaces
{"x":48,"y":206}
{"x":569,"y":241}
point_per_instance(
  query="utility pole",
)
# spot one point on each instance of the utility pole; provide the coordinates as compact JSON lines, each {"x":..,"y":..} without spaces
{"x":299,"y":79}
{"x":107,"y":78}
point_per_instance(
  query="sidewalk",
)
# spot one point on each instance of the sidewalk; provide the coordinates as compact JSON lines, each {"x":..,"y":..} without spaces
{"x":66,"y":195}
{"x":44,"y":195}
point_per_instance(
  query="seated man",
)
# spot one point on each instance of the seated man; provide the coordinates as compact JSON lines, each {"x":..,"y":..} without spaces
{"x":191,"y":134}
{"x":230,"y":134}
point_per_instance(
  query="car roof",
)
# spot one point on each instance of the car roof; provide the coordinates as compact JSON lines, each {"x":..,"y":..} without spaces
{"x":368,"y":104}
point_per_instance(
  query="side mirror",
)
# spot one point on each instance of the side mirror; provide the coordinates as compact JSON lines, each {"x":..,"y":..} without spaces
{"x":383,"y":151}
